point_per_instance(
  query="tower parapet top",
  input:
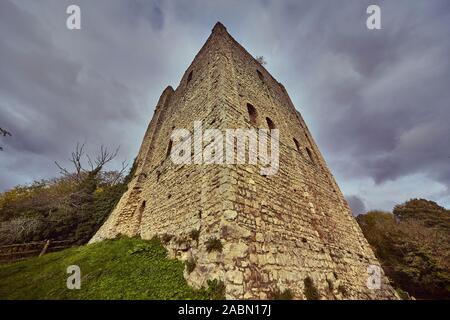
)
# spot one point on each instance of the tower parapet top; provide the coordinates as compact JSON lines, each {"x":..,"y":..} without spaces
{"x":219,"y":27}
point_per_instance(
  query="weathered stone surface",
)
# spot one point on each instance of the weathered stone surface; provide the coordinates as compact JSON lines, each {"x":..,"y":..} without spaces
{"x":276,"y":231}
{"x":259,"y":237}
{"x":230,"y":214}
{"x":235,"y":276}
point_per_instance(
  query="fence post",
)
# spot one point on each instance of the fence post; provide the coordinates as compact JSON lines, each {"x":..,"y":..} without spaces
{"x":44,"y":250}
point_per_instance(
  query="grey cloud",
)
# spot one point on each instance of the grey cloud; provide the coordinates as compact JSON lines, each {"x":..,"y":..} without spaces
{"x":356,"y":204}
{"x":377,"y":102}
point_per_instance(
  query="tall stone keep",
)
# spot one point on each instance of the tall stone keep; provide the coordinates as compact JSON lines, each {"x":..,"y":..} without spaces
{"x":289,"y":231}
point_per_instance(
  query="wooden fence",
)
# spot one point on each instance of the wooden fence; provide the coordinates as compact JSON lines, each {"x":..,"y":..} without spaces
{"x":15,"y":252}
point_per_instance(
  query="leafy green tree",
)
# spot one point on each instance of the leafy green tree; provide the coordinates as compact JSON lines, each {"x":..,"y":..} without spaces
{"x":429,"y":213}
{"x":413,"y":245}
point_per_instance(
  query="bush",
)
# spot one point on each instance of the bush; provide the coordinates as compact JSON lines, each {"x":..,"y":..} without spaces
{"x":213,"y":244}
{"x":310,"y":291}
{"x":190,"y":265}
{"x":58,"y":209}
{"x":165,"y":238}
{"x":403,"y":294}
{"x":282,"y":295}
{"x":216,"y":289}
{"x":194,"y":234}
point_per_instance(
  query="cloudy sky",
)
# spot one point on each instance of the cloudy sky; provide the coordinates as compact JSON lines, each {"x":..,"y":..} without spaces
{"x":376,"y":101}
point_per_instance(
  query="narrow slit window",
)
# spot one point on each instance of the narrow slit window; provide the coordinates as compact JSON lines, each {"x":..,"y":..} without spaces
{"x":169,"y":149}
{"x":252,"y":114}
{"x":260,"y":75}
{"x":297,"y":145}
{"x":189,"y":78}
{"x":310,"y":155}
{"x":270,"y":124}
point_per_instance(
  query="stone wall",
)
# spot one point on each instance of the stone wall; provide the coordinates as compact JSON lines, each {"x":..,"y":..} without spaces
{"x":276,"y":231}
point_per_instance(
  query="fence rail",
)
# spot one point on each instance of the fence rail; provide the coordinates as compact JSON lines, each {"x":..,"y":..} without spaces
{"x":20,"y":251}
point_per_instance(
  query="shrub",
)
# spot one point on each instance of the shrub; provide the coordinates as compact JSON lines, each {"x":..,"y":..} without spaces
{"x":216,"y":289}
{"x":59,"y":209}
{"x":190,"y":265}
{"x":165,"y":238}
{"x":194,"y":234}
{"x":213,"y":244}
{"x":310,"y":291}
{"x":282,"y":295}
{"x":403,"y":294}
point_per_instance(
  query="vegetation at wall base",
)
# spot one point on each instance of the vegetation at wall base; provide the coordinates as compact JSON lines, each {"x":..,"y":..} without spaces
{"x":124,"y":268}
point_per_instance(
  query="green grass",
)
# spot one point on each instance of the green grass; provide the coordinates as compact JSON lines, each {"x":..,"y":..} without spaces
{"x":124,"y":268}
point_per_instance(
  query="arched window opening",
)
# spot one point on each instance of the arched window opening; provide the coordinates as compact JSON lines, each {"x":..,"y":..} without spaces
{"x":270,"y":124}
{"x":189,"y":78}
{"x":260,"y":75}
{"x":169,"y":149}
{"x":252,"y":114}
{"x":310,"y":154}
{"x":297,"y":145}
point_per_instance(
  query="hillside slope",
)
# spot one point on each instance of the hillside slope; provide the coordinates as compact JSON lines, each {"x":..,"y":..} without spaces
{"x":116,"y":269}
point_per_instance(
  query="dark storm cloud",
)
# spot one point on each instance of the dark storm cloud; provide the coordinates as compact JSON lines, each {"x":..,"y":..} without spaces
{"x":377,"y":102}
{"x":51,"y":98}
{"x":356,"y":204}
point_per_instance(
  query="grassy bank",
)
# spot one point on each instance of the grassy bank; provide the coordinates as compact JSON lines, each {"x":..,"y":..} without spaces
{"x":116,"y":269}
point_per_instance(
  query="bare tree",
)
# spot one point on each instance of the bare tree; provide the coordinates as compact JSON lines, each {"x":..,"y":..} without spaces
{"x":114,"y":177}
{"x":103,"y":158}
{"x":20,"y":230}
{"x":94,"y":165}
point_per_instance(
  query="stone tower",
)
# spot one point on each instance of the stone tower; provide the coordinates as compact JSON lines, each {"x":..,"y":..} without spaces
{"x":291,"y":230}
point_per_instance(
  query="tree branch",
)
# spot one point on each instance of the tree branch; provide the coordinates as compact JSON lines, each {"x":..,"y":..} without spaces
{"x":95,"y":166}
{"x":4,"y":132}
